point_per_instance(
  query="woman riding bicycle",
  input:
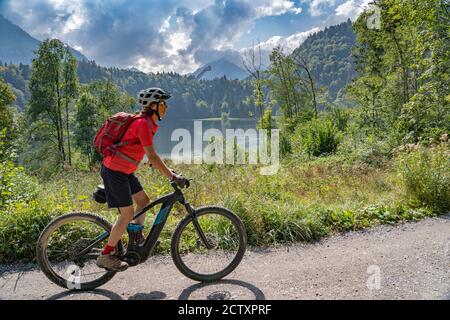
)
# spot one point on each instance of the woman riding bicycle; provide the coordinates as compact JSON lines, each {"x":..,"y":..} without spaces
{"x":122,"y":187}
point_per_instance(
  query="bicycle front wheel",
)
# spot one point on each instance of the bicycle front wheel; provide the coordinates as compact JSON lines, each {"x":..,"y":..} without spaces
{"x":226,"y":241}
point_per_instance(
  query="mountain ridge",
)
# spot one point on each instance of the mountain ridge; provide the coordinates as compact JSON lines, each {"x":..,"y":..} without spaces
{"x":219,"y":68}
{"x":329,"y":55}
{"x":18,"y":46}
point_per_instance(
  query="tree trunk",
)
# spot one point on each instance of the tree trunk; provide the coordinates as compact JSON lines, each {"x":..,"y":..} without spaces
{"x":60,"y":123}
{"x":67,"y":131}
{"x":313,"y":90}
{"x":405,"y":71}
{"x":286,"y":89}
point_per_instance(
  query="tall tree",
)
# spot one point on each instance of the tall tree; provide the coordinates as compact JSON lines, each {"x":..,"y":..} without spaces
{"x":52,"y":83}
{"x":111,"y":97}
{"x":303,"y":66}
{"x":6,"y":114}
{"x":291,"y":86}
{"x":70,"y":87}
{"x":365,"y":90}
{"x":403,"y":67}
{"x":252,"y":62}
{"x":89,"y":117}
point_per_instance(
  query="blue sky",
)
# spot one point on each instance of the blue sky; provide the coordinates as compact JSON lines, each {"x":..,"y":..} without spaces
{"x":174,"y":35}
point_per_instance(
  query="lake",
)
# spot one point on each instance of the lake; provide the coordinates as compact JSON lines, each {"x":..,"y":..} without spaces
{"x":164,"y":145}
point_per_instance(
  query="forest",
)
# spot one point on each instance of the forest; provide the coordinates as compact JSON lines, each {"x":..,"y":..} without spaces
{"x":193,"y":98}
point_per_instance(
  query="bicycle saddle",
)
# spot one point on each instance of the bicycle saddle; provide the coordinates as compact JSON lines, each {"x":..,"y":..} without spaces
{"x":99,"y":194}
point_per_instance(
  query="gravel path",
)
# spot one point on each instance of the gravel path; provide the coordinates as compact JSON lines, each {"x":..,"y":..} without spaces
{"x":407,"y":261}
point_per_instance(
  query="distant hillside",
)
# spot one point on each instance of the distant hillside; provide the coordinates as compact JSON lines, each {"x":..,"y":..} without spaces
{"x":329,"y":53}
{"x":191,"y":98}
{"x":220,"y":68}
{"x":17,"y":46}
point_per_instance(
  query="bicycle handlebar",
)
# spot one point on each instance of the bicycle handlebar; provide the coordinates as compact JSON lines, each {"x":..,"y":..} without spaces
{"x":175,"y":186}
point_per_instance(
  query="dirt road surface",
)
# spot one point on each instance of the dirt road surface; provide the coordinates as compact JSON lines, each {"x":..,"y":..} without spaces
{"x":406,"y":261}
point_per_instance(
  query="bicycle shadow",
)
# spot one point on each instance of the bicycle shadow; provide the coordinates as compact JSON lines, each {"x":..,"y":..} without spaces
{"x":154,"y":295}
{"x":223,"y":294}
{"x":159,"y":295}
{"x":101,"y":292}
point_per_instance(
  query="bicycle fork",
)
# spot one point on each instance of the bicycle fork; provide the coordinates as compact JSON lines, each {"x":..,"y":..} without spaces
{"x":201,"y":234}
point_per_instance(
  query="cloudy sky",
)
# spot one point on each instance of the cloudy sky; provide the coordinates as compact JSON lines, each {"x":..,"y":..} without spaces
{"x":175,"y":35}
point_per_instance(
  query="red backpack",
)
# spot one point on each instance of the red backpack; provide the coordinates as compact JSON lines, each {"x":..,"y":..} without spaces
{"x":107,"y":140}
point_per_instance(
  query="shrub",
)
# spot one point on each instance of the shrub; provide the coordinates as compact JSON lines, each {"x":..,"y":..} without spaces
{"x":391,"y":214}
{"x":340,"y":117}
{"x":21,"y":222}
{"x":15,"y":185}
{"x":20,"y":227}
{"x":368,"y":149}
{"x":318,"y":137}
{"x":280,"y":225}
{"x":426,"y":175}
{"x":252,"y":221}
{"x":285,"y":144}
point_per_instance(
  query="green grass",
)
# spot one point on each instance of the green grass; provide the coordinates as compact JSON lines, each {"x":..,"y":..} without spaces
{"x":304,"y":201}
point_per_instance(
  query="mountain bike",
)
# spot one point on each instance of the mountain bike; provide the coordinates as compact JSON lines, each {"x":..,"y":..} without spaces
{"x":207,"y":244}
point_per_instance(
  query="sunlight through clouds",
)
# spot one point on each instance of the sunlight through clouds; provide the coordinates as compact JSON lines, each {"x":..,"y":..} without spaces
{"x":181,"y":37}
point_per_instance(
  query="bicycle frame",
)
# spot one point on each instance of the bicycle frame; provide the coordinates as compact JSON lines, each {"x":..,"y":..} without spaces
{"x":167,"y":202}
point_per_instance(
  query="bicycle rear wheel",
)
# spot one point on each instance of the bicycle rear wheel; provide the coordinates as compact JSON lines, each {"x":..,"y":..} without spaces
{"x":60,"y":244}
{"x":227,"y":240}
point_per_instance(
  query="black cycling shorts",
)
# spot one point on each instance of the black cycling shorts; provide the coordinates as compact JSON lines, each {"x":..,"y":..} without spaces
{"x":119,"y":187}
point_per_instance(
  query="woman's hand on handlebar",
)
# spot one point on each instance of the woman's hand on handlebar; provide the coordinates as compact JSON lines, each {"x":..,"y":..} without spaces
{"x":180,"y":180}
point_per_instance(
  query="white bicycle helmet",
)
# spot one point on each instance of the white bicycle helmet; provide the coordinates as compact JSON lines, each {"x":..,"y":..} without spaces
{"x":147,"y":96}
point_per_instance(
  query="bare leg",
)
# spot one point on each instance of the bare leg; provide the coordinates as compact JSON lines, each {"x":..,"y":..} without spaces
{"x":141,"y":200}
{"x":126,"y":215}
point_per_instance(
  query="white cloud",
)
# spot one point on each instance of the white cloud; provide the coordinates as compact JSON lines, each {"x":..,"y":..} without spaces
{"x":352,"y":8}
{"x":216,"y":28}
{"x":289,"y":44}
{"x":275,"y":7}
{"x":177,"y":41}
{"x":175,"y":63}
{"x":263,"y":7}
{"x":165,"y":24}
{"x":48,"y":18}
{"x":59,"y":4}
{"x":316,"y":6}
{"x":172,"y":60}
{"x":197,"y":5}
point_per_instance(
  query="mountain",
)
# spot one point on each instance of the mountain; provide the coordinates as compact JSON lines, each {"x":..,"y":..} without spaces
{"x":218,"y":69}
{"x":329,"y":55}
{"x":17,"y":46}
